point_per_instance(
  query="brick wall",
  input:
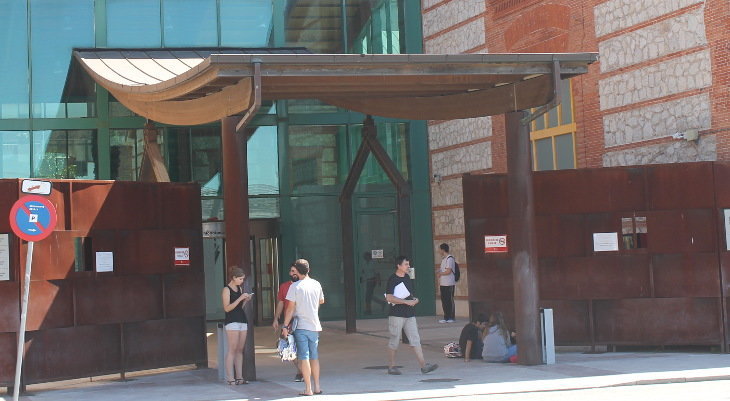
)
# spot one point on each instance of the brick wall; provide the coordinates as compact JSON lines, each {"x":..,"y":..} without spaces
{"x":664,"y":68}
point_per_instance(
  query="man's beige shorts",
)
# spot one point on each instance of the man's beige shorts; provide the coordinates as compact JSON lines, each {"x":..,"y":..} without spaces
{"x":396,"y":325}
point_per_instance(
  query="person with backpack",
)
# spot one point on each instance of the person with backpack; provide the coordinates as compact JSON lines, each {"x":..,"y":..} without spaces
{"x":447,"y":275}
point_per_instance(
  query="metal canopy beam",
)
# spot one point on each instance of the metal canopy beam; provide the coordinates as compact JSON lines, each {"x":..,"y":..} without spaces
{"x":216,"y":84}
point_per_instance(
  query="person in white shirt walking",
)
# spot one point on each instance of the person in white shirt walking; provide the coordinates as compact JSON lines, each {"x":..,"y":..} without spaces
{"x":305,"y":297}
{"x":447,"y":283}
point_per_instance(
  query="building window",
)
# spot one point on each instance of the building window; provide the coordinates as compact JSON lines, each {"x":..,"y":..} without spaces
{"x":64,"y":154}
{"x":553,"y":135}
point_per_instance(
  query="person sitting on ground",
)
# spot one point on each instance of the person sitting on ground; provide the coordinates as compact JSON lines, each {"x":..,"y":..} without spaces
{"x":470,"y":340}
{"x":497,"y":344}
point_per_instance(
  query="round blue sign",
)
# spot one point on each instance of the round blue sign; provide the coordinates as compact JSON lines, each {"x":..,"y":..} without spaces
{"x":33,"y":218}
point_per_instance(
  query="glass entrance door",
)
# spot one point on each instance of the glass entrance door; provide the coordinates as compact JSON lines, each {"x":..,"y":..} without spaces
{"x":266,"y":271}
{"x":265,"y":267}
{"x":376,"y":234}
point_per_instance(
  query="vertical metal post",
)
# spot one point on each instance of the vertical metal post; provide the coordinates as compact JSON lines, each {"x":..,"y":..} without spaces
{"x":235,"y":204}
{"x":522,"y":242}
{"x":23,"y":318}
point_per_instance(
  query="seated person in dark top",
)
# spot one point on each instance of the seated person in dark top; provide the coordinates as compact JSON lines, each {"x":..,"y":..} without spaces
{"x":470,"y":340}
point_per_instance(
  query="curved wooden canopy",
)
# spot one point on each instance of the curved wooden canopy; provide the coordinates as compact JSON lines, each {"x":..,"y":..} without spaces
{"x":186,"y":87}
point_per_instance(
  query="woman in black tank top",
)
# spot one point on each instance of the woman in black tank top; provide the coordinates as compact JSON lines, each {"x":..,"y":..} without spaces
{"x":234,"y":300}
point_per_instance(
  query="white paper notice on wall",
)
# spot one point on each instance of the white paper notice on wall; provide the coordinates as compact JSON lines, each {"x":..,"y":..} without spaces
{"x":605,"y":242}
{"x":727,"y":229}
{"x":4,"y":257}
{"x":105,"y":261}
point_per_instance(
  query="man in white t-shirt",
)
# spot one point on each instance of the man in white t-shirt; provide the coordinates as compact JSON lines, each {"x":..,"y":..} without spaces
{"x":305,"y":296}
{"x":447,"y":284}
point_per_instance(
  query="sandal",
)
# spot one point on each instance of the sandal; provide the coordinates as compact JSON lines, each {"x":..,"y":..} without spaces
{"x":241,"y":381}
{"x":231,"y":382}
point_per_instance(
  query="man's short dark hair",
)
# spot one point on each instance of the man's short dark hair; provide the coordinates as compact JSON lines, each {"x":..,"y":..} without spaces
{"x":444,"y":247}
{"x":400,"y":259}
{"x":302,"y":266}
{"x":481,"y":318}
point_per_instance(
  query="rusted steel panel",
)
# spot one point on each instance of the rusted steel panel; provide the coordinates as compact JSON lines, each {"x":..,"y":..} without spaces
{"x":117,"y":205}
{"x":9,"y":306}
{"x":53,"y":258}
{"x":490,"y":280}
{"x":722,"y":190}
{"x":180,"y":206}
{"x":59,"y":199}
{"x":571,"y":321}
{"x":588,"y":191}
{"x":476,"y":229}
{"x":9,"y":190}
{"x":149,"y":251}
{"x":150,"y":345}
{"x":599,"y":223}
{"x":184,"y":294}
{"x":561,"y":235}
{"x":71,"y":352}
{"x":116,"y":299}
{"x":597,"y":277}
{"x":673,"y":231}
{"x":475,"y":187}
{"x":658,"y":321}
{"x":8,"y":353}
{"x":50,"y":305}
{"x":680,"y":186}
{"x":686,"y":275}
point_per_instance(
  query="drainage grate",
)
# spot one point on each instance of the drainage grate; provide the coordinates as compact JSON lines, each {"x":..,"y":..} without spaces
{"x":439,"y":380}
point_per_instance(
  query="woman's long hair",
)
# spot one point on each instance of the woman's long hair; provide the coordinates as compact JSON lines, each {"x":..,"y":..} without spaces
{"x":497,"y":319}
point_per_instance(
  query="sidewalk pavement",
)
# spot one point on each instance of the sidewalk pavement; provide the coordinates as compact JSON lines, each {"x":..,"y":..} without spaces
{"x":354,"y":367}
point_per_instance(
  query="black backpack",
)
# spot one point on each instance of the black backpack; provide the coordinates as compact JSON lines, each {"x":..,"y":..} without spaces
{"x":457,"y":273}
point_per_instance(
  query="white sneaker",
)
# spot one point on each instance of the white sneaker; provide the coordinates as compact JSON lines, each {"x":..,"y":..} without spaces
{"x":443,"y":321}
{"x":450,"y":321}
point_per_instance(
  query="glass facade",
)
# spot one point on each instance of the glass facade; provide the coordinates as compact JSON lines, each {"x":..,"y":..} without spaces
{"x":55,"y":122}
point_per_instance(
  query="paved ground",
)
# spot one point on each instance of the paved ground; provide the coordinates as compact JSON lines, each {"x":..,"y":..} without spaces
{"x":353,"y":367}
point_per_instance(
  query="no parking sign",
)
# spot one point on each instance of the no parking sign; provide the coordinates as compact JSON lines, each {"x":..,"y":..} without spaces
{"x":33,"y":218}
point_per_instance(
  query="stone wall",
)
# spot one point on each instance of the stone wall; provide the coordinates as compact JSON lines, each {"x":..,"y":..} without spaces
{"x":683,"y":32}
{"x":657,"y":120}
{"x":458,"y":146}
{"x":672,"y":152}
{"x":673,"y":76}
{"x":615,"y":15}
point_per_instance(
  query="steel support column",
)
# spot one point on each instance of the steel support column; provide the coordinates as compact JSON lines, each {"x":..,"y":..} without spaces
{"x":235,"y":202}
{"x":522,"y":241}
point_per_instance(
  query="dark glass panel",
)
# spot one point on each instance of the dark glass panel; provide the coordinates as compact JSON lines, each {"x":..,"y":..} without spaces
{"x":544,"y":150}
{"x":64,"y":154}
{"x":564,"y":151}
{"x":313,"y":158}
{"x":61,"y":89}
{"x":133,"y":23}
{"x":314,"y":24}
{"x":246,"y":23}
{"x":14,"y":154}
{"x":13,"y":60}
{"x":263,"y":161}
{"x":190,"y":23}
{"x":566,"y":114}
{"x":126,"y":151}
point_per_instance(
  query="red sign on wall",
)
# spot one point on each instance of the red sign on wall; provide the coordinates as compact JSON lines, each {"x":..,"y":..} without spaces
{"x":495,"y":243}
{"x":182,"y":256}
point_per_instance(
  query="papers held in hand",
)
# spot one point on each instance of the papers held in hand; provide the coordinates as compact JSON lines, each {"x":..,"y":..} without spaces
{"x":400,"y":291}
